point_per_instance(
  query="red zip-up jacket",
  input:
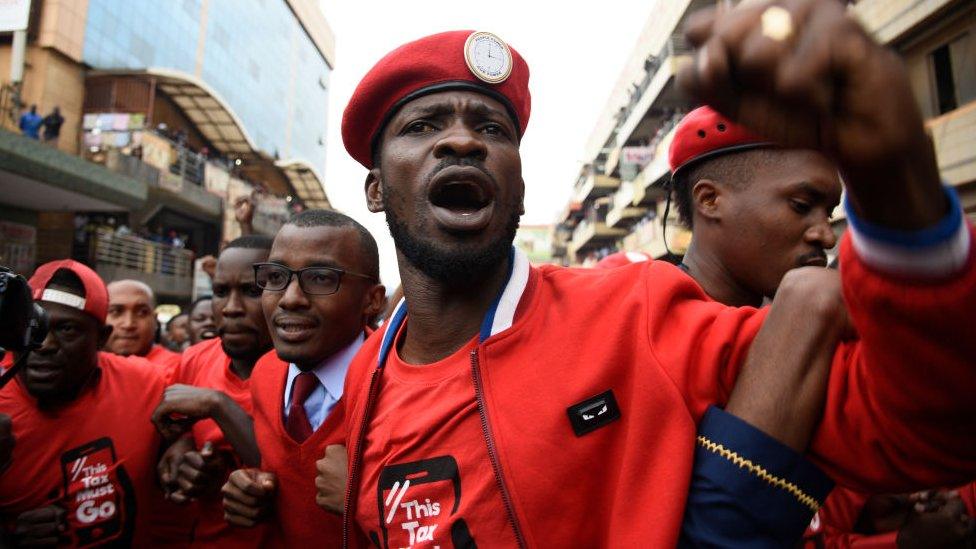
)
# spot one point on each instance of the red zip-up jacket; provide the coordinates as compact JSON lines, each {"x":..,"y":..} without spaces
{"x":647,"y":336}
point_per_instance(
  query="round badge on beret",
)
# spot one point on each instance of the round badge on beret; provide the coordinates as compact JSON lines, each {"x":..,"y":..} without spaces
{"x":488,"y":57}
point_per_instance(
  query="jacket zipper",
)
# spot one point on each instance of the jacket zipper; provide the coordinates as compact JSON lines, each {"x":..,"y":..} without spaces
{"x":353,"y":479}
{"x":492,"y":454}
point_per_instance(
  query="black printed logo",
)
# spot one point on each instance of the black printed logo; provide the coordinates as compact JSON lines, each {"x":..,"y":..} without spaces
{"x":417,"y":503}
{"x":98,"y":495}
{"x":593,"y":413}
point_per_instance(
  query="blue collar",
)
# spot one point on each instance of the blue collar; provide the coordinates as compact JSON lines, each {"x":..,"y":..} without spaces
{"x":499,"y":317}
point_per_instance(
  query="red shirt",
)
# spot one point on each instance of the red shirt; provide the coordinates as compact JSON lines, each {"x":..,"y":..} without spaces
{"x":206,"y":365}
{"x":173,"y":524}
{"x":94,"y":456}
{"x":162,"y":356}
{"x":297,"y":521}
{"x":426,"y":487}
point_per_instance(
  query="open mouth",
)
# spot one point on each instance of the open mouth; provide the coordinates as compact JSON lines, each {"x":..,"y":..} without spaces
{"x":208,"y":334}
{"x":462,"y":198}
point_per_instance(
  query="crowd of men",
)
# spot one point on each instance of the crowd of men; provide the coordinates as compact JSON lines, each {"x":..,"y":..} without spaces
{"x":500,"y":404}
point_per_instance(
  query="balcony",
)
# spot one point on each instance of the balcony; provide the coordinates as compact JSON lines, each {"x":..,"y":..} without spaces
{"x":168,"y":270}
{"x":888,"y":20}
{"x":591,"y":234}
{"x":41,"y":178}
{"x":647,"y":187}
{"x":595,"y":186}
{"x":659,"y":95}
{"x":571,"y":214}
{"x":269,"y":215}
{"x":623,"y":212}
{"x":954,"y":135}
{"x":166,"y":187}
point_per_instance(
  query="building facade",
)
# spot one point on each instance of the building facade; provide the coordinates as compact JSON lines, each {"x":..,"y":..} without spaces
{"x":256,"y":56}
{"x":173,"y":111}
{"x":618,"y":200}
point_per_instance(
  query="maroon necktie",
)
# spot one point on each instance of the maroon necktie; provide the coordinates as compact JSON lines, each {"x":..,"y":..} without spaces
{"x":297,"y":423}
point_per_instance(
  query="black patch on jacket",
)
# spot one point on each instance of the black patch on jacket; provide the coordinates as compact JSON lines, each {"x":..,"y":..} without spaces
{"x":593,"y":413}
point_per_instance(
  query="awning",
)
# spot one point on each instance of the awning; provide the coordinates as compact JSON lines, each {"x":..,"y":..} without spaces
{"x":211,"y":115}
{"x":218,"y":123}
{"x":306,"y":182}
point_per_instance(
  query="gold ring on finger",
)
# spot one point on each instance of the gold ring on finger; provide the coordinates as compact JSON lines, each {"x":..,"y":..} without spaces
{"x":777,"y":23}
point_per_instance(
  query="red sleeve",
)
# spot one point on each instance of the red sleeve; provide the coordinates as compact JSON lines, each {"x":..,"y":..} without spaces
{"x":845,"y":540}
{"x":968,"y":495}
{"x":835,"y":524}
{"x":169,"y":361}
{"x":183,"y":371}
{"x":900,"y":412}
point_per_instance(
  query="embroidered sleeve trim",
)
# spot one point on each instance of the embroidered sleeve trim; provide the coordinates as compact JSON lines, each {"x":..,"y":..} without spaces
{"x":759,"y":471}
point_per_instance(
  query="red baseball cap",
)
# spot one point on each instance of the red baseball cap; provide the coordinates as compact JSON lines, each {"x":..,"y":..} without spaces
{"x":619,"y":259}
{"x":95,"y":300}
{"x":455,"y":60}
{"x":705,"y":133}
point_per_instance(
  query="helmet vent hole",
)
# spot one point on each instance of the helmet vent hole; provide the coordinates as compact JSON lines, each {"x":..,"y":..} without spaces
{"x":701,"y":133}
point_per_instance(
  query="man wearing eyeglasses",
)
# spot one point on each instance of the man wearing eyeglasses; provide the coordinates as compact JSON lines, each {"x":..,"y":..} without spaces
{"x":321,"y":286}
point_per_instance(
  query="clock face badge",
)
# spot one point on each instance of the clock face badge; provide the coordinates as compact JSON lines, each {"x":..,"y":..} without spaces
{"x":488,"y":57}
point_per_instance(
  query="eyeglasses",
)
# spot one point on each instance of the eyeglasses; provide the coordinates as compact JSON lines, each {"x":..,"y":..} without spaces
{"x":312,"y":280}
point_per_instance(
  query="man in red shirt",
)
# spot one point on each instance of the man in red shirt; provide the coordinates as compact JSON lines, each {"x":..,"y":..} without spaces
{"x":132,"y":316}
{"x":213,"y":375}
{"x":201,"y":325}
{"x":82,"y":467}
{"x":589,"y":383}
{"x":321,"y":286}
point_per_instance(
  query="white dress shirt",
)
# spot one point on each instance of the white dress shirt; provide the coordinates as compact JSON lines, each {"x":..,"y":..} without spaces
{"x":331,"y":374}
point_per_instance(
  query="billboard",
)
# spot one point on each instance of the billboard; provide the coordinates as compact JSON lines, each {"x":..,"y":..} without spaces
{"x":14,"y":15}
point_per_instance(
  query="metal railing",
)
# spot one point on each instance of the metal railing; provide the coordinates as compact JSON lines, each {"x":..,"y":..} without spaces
{"x":188,"y":164}
{"x":11,"y":103}
{"x":166,"y":269}
{"x":131,"y":166}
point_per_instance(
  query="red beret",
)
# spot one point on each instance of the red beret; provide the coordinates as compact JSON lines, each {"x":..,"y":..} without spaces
{"x":435,"y":63}
{"x":704,"y":133}
{"x":95,"y":300}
